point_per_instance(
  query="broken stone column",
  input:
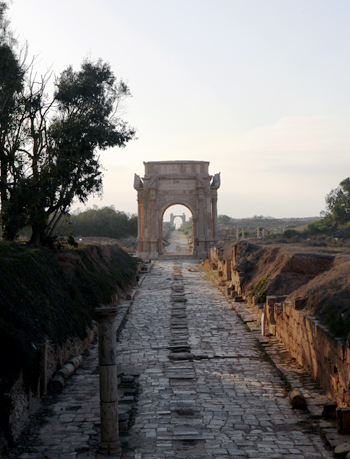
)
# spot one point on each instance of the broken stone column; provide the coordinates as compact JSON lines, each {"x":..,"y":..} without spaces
{"x":329,"y":410}
{"x":109,"y":444}
{"x":343,"y":418}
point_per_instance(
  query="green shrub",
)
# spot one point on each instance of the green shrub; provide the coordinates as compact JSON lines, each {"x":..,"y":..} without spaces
{"x":316,"y":227}
{"x":289,"y":233}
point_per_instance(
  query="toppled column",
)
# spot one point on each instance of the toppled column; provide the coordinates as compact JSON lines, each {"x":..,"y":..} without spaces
{"x":109,"y":444}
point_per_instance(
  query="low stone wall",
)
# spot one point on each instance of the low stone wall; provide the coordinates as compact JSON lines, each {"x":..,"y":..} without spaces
{"x":326,"y":358}
{"x":308,"y":341}
{"x":24,"y":401}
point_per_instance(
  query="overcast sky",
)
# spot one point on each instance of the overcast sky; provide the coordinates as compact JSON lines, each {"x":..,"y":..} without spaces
{"x":260,"y":88}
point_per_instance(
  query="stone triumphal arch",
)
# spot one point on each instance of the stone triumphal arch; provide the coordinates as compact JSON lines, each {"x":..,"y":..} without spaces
{"x":176,"y":182}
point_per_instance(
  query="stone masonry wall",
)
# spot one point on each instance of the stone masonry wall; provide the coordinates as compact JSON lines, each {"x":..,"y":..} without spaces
{"x":308,"y":341}
{"x":24,"y":402}
{"x":327,"y":359}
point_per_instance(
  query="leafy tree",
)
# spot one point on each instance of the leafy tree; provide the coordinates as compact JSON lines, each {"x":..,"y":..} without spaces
{"x":338,"y":204}
{"x":11,"y":107}
{"x":105,"y":222}
{"x":59,"y":160}
{"x":316,"y":227}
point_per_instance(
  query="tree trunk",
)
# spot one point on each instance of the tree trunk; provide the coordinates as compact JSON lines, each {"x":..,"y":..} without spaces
{"x":38,"y":234}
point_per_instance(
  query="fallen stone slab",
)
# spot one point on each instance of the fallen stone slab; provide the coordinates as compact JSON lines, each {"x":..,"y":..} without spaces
{"x":180,"y":334}
{"x":187,"y":433}
{"x":180,"y":376}
{"x":180,"y":356}
{"x":183,"y":347}
{"x":127,"y":380}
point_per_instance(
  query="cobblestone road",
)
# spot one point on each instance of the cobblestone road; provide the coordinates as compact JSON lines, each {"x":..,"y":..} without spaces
{"x":224,"y":399}
{"x":206,"y":390}
{"x":177,"y":243}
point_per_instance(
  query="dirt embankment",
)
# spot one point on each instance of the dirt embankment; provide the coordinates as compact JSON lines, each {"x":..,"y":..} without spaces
{"x":47,"y":296}
{"x":321,"y":278}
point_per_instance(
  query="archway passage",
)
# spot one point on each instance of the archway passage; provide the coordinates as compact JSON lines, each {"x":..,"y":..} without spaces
{"x":166,"y":183}
{"x":177,"y":231}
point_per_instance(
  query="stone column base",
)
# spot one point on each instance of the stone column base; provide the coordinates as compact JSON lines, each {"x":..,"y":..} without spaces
{"x":107,"y":448}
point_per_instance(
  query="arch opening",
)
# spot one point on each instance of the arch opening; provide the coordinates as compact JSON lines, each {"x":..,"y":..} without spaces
{"x":177,"y":230}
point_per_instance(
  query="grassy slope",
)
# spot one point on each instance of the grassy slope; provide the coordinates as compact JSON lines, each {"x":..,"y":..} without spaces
{"x":43,"y":294}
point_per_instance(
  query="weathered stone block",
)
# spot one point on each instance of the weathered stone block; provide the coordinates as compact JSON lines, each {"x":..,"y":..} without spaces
{"x":329,"y":410}
{"x":343,"y":420}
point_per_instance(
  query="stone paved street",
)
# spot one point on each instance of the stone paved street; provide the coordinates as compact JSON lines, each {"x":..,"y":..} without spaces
{"x":177,"y":243}
{"x":206,"y":389}
{"x":224,"y":399}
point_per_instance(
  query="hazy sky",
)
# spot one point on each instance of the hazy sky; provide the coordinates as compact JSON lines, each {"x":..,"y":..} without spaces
{"x":260,"y":88}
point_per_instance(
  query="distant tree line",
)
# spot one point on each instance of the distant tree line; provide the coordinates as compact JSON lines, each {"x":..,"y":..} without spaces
{"x":261,"y":221}
{"x":104,"y":222}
